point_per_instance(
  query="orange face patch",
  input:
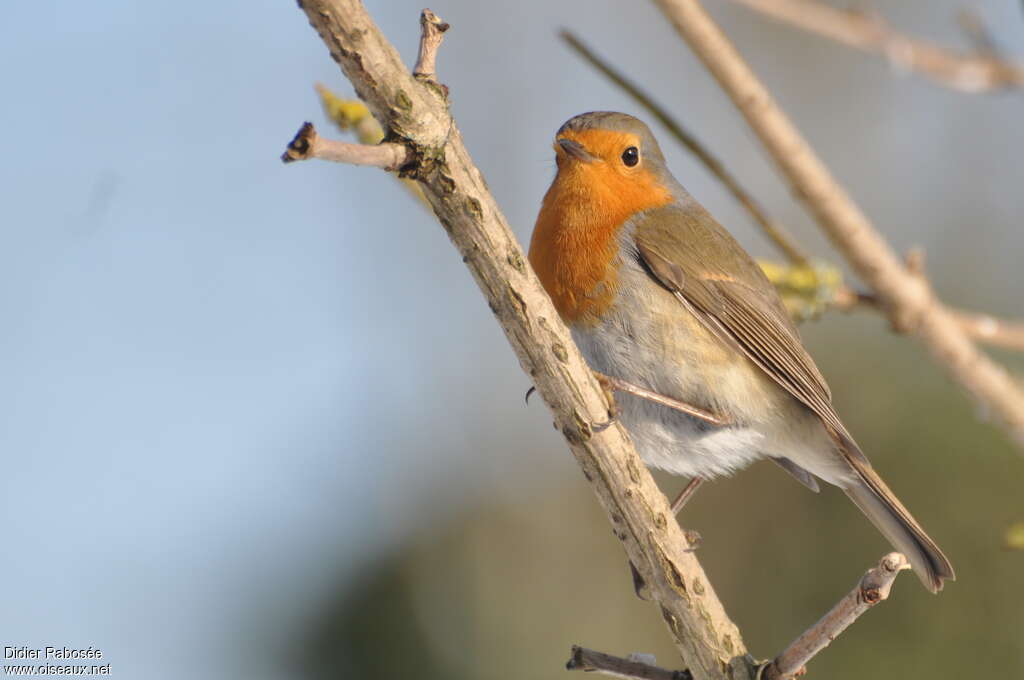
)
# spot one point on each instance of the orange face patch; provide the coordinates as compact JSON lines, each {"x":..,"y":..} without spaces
{"x":574,"y":246}
{"x":607,"y":145}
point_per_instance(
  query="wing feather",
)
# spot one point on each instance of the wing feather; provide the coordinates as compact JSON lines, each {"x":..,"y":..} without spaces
{"x":740,"y":307}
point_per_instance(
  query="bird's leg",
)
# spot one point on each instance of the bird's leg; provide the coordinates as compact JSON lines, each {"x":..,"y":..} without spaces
{"x":609,"y":396}
{"x":609,"y":383}
{"x":608,"y":388}
{"x":685,"y":495}
{"x":692,"y":537}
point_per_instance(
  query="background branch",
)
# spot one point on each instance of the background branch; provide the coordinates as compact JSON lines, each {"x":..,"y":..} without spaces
{"x":904,"y":295}
{"x":990,"y":329}
{"x":415,"y":114}
{"x":974,"y":28}
{"x":983,"y":327}
{"x":980,"y":72}
{"x":872,"y":588}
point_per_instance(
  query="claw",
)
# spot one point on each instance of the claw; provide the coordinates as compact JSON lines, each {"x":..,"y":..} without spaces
{"x":639,"y":585}
{"x":609,"y":397}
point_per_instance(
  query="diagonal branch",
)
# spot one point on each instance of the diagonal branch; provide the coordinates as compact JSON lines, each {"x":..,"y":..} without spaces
{"x":414,"y":113}
{"x":972,"y":73}
{"x":872,"y":588}
{"x":905,"y":295}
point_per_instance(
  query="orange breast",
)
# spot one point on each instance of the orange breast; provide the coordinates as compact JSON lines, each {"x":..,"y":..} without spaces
{"x":574,"y":248}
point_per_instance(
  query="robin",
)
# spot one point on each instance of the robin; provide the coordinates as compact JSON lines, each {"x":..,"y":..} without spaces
{"x":659,"y":295}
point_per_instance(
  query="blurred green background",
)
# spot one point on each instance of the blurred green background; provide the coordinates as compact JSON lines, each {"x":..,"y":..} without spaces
{"x":257,"y":419}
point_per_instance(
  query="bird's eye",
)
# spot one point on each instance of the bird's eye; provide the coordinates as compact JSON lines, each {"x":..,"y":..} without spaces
{"x":631,"y":156}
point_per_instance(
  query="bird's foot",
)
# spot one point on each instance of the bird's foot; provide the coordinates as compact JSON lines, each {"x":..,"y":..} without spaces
{"x":640,"y":587}
{"x":639,"y":584}
{"x":609,"y":396}
{"x":694,"y":538}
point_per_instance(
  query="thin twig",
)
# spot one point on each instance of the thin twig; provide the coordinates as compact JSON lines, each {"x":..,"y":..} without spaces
{"x":994,"y":331}
{"x":982,"y":72}
{"x":972,"y":25}
{"x":907,"y":298}
{"x":417,"y":113}
{"x":644,"y":393}
{"x":775,"y":231}
{"x":308,"y":144}
{"x":872,"y":588}
{"x":583,"y":659}
{"x":432,"y":31}
{"x":352,"y":114}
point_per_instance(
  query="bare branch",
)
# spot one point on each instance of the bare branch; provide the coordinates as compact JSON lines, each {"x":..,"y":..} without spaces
{"x":415,"y":113}
{"x":775,"y":231}
{"x":873,"y":588}
{"x":980,"y":326}
{"x":994,"y":331}
{"x":308,"y":144}
{"x":432,"y":31}
{"x":352,"y":114}
{"x":583,"y":659}
{"x":907,"y":299}
{"x":972,"y":25}
{"x":982,"y":72}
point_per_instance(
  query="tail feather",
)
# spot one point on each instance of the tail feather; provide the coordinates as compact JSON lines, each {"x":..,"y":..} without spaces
{"x":885,"y":511}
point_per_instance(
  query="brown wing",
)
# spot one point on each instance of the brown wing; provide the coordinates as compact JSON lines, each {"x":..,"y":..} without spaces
{"x":713,"y":277}
{"x":709,"y":272}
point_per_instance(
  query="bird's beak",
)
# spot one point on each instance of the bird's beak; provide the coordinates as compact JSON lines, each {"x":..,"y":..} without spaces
{"x":576,"y":151}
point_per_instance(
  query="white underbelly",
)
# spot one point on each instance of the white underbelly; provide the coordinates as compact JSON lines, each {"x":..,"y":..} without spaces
{"x":700,"y":370}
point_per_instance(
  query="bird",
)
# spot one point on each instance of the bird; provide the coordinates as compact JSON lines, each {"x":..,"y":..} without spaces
{"x":659,"y":295}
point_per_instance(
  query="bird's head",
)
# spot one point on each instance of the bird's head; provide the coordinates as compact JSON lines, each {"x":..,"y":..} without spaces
{"x":608,"y":150}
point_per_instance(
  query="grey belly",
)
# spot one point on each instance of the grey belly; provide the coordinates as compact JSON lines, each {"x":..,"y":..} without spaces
{"x":769,"y":423}
{"x":665,"y":438}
